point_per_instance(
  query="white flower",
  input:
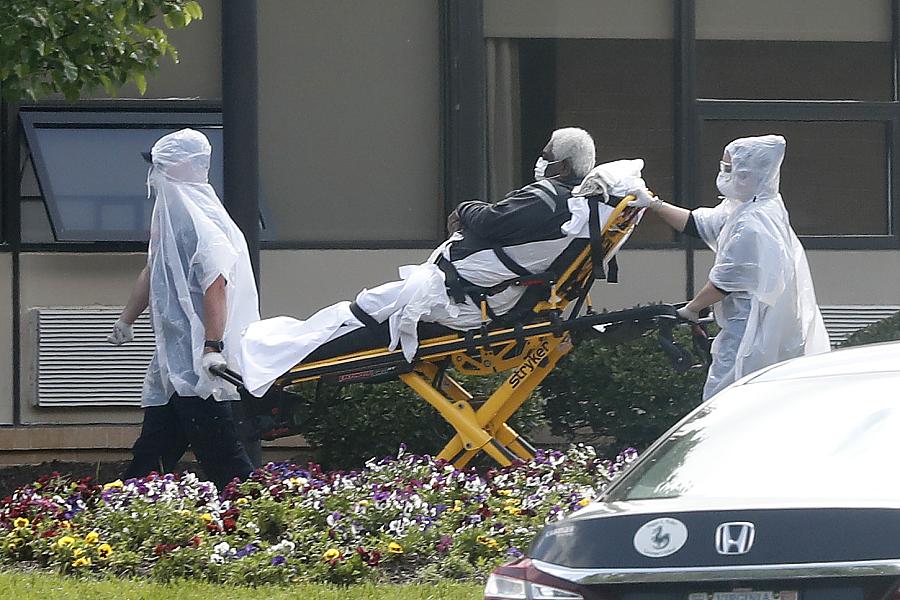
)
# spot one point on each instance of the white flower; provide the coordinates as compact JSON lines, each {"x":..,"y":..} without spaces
{"x":216,"y":559}
{"x":222,"y":548}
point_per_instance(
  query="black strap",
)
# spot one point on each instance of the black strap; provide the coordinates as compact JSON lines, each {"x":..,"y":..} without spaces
{"x":509,"y":263}
{"x":364,"y":317}
{"x":596,"y":236}
{"x":612,"y":275}
{"x":452,"y":280}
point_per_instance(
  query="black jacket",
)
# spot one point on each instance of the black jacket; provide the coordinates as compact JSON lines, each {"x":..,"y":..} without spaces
{"x":534,"y":213}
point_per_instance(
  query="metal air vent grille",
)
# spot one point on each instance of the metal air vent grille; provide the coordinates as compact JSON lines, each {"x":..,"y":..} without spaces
{"x":77,"y":367}
{"x":841,"y":320}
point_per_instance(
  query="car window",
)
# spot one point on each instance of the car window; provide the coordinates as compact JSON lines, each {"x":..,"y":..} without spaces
{"x":824,"y":437}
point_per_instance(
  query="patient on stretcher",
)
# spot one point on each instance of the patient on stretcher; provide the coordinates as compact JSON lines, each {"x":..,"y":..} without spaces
{"x":495,"y":244}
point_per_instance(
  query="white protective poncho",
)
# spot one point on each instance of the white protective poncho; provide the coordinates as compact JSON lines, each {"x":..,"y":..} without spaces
{"x":192,"y":242}
{"x":272,"y":346}
{"x":770,"y":313}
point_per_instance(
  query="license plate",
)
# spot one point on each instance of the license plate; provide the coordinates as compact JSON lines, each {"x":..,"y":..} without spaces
{"x":744,"y":595}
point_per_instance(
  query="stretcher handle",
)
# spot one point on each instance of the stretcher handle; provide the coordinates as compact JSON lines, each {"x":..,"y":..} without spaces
{"x":228,"y":375}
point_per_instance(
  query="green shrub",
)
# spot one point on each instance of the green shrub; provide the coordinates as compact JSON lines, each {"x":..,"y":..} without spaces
{"x":350,"y":424}
{"x":628,"y":393}
{"x":886,"y":330}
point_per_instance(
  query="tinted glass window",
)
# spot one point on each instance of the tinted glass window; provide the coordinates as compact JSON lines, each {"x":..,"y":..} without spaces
{"x":828,"y":166}
{"x":750,"y":69}
{"x":94,"y":179}
{"x":801,"y":438}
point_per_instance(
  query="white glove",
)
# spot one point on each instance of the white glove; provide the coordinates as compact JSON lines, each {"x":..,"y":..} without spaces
{"x":213,"y":359}
{"x":688,"y":315}
{"x":643,"y":198}
{"x":121,"y":333}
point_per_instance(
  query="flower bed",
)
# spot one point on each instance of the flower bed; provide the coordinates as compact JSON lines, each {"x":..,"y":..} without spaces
{"x":405,"y":518}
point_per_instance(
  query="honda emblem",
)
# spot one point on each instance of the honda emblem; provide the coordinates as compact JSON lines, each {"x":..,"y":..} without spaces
{"x":735,"y":538}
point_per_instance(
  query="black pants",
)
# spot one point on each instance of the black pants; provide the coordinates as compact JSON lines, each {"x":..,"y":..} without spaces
{"x":205,"y":425}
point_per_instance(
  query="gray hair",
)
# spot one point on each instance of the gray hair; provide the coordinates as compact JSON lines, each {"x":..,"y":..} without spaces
{"x":577,"y":145}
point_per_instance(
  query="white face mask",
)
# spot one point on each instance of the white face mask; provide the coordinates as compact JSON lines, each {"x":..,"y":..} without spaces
{"x":737,"y":186}
{"x":540,"y":167}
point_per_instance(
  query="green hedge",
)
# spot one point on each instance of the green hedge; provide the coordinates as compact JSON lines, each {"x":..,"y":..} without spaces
{"x":886,"y":330}
{"x":618,"y":395}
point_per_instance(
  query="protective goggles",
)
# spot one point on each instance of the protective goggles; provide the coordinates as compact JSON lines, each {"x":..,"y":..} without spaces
{"x":724,"y":167}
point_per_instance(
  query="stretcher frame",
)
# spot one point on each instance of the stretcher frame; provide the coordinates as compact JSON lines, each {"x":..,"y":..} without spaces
{"x":529,"y":351}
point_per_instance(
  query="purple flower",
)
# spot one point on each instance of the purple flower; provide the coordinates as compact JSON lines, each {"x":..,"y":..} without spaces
{"x":445,"y":543}
{"x":277,"y":560}
{"x":514,"y":552}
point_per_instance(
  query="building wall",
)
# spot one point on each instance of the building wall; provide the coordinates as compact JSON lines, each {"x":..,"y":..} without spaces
{"x":198,"y":72}
{"x":350,"y":119}
{"x":840,"y":276}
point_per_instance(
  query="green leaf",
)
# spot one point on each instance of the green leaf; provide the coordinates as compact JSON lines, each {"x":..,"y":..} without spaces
{"x":141,"y":80}
{"x":194,"y":9}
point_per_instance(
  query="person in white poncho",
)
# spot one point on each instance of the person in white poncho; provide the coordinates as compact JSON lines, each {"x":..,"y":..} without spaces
{"x":491,"y":243}
{"x":199,"y":286}
{"x":760,"y":284}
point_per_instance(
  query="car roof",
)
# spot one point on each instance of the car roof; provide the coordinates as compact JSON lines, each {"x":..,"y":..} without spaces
{"x":870,"y":358}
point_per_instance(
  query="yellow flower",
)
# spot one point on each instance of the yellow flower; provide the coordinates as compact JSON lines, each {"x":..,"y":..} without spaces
{"x":241,"y":501}
{"x":511,"y":501}
{"x":20,"y":523}
{"x":65,"y":541}
{"x":104,"y":550}
{"x":457,"y":506}
{"x":92,"y":538}
{"x":15,"y":543}
{"x":82,"y":562}
{"x":363,"y":502}
{"x":331,"y":554}
{"x":505,"y":492}
{"x":206,"y":517}
{"x":513,"y":510}
{"x":78,"y":552}
{"x":185,"y":513}
{"x":114,"y":484}
{"x":65,"y":525}
{"x":487,"y":541}
{"x":584,"y":502}
{"x":395,"y":548}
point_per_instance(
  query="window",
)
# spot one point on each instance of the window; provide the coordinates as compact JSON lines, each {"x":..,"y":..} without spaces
{"x":605,"y":67}
{"x":87,"y":177}
{"x":834,"y":177}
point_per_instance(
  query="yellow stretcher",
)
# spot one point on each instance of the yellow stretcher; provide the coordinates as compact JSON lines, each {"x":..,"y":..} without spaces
{"x":561,"y":314}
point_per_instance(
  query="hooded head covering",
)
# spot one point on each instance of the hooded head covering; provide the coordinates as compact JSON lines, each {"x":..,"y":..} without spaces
{"x":755,"y":168}
{"x":193,"y":242}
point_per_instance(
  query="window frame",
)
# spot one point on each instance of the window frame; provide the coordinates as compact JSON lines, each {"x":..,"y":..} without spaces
{"x":100,"y":116}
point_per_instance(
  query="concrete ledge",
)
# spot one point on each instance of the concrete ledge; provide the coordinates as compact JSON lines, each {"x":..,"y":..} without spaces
{"x":90,"y":443}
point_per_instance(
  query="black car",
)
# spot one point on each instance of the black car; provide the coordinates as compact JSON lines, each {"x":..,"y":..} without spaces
{"x":784,"y":486}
